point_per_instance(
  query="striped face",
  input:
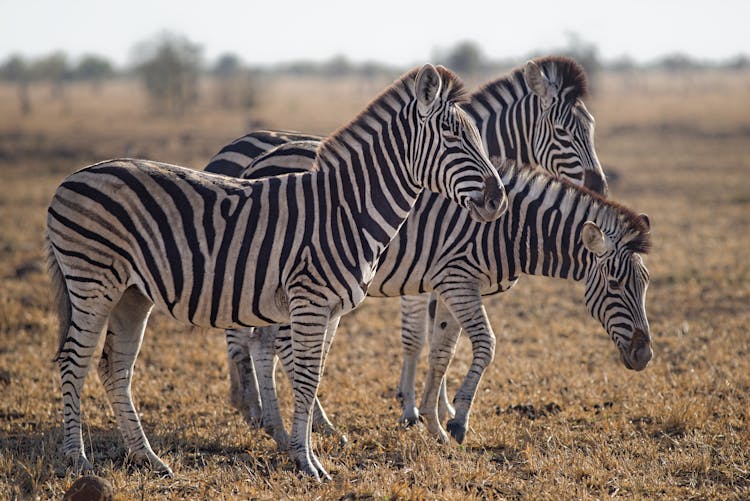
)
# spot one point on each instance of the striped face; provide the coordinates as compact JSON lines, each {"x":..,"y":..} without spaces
{"x":564,"y":144}
{"x":616,"y":286}
{"x":448,"y":154}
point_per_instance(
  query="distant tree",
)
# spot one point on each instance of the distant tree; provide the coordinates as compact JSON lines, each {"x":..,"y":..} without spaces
{"x":587,"y":55}
{"x":677,"y":62}
{"x":169,"y":66}
{"x":738,"y":62}
{"x":622,"y":64}
{"x":94,"y":69}
{"x":16,"y":70}
{"x":337,"y":66}
{"x":227,"y":65}
{"x":54,"y":69}
{"x":235,"y":86}
{"x":465,"y":57}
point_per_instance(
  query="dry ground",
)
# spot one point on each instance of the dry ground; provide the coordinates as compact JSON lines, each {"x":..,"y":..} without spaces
{"x":557,"y":415}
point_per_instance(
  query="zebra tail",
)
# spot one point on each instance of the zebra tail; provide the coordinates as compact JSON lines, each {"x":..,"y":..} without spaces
{"x":62,"y":299}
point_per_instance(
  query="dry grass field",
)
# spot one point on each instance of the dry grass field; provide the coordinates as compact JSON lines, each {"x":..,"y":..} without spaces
{"x":557,"y":415}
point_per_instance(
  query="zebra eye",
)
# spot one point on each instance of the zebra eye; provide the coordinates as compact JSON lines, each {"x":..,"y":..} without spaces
{"x":561,"y":132}
{"x":614,"y":284}
{"x":451,"y":136}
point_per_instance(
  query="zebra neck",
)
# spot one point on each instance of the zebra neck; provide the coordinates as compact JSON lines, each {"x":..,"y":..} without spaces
{"x":543,"y":225}
{"x":506,"y":113}
{"x":368,"y":177}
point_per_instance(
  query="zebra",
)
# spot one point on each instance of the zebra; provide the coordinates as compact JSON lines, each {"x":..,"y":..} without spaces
{"x":232,"y":158}
{"x":552,"y":228}
{"x":126,"y":235}
{"x":535,"y":114}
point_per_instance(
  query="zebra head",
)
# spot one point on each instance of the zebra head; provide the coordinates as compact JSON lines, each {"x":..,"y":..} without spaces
{"x":563,"y":135}
{"x":448,"y":155}
{"x":616,"y":284}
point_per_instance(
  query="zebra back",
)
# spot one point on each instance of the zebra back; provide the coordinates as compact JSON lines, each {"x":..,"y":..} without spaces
{"x":533,"y":115}
{"x":233,"y":158}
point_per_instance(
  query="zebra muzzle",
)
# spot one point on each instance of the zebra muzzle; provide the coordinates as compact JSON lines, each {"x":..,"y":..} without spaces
{"x":493,"y":202}
{"x":640,"y":352}
{"x":595,"y":182}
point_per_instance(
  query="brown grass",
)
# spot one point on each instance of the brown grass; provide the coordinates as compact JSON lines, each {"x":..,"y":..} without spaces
{"x":557,"y":416}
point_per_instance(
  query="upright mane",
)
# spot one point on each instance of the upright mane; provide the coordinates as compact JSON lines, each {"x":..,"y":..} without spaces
{"x":563,"y":70}
{"x":401,"y":91}
{"x":608,"y":213}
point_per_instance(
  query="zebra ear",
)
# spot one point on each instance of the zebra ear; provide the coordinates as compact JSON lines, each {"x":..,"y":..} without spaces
{"x":539,"y":83}
{"x":646,"y":221}
{"x":427,"y":87}
{"x":593,"y":238}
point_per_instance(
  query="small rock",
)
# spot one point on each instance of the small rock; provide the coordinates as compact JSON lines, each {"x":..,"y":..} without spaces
{"x":90,"y":488}
{"x":29,"y":268}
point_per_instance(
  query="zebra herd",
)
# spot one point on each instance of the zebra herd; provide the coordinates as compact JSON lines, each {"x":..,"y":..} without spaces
{"x":286,"y":232}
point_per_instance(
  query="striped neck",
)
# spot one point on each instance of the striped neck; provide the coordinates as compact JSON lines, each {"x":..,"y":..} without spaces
{"x":543,"y":225}
{"x":367,"y":166}
{"x":505,"y":112}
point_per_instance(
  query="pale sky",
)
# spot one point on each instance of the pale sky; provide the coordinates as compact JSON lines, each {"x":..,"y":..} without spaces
{"x":399,"y":32}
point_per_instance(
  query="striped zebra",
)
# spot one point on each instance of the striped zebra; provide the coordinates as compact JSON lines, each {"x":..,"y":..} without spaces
{"x":126,"y":235}
{"x":552,"y":228}
{"x":234,"y":157}
{"x":535,"y":114}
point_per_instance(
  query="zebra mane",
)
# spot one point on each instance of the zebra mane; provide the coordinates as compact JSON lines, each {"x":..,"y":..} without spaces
{"x":563,"y":70}
{"x":612,"y":216}
{"x":400,"y":91}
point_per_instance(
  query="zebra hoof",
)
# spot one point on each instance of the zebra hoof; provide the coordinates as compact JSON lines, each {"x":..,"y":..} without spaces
{"x":306,"y":470}
{"x":457,"y":430}
{"x":163,"y":471}
{"x":409,"y":419}
{"x":152,"y":462}
{"x":343,"y":440}
{"x":80,"y":464}
{"x":254,"y":421}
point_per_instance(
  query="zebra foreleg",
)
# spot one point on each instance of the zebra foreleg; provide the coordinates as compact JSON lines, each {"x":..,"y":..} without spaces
{"x":283,"y":348}
{"x":413,"y":329}
{"x":446,"y":331}
{"x":244,"y":393}
{"x":309,"y":326}
{"x":467,"y":307}
{"x":127,"y":324}
{"x":445,"y":409}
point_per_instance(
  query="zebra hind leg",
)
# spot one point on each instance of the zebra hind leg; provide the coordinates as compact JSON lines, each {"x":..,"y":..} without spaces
{"x":85,"y":326}
{"x":244,"y":392}
{"x":122,"y":344}
{"x":264,"y":357}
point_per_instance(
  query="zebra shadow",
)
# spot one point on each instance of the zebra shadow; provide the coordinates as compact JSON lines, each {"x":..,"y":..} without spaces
{"x":37,"y":458}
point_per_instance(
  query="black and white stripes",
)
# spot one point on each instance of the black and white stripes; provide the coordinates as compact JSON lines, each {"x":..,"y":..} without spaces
{"x":533,"y":115}
{"x":551,"y":229}
{"x":126,"y":235}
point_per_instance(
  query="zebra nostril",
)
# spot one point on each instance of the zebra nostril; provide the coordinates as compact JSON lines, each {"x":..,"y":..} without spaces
{"x":596,"y":182}
{"x":640,"y":346}
{"x":494,"y":195}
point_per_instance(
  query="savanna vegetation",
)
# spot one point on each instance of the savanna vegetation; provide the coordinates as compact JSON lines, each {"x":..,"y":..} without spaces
{"x":557,"y":416}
